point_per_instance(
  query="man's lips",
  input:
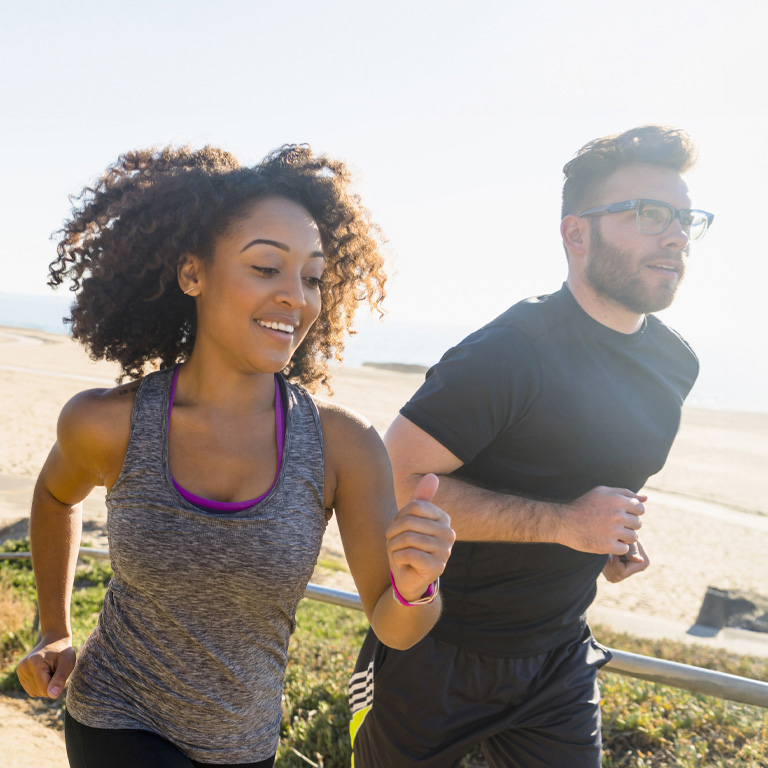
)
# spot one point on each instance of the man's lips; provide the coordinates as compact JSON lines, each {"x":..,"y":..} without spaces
{"x":665,"y":266}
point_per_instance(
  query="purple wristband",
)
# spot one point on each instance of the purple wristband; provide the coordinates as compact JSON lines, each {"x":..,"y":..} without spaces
{"x":425,"y":599}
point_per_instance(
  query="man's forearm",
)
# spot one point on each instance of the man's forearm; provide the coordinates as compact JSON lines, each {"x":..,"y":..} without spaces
{"x":479,"y":514}
{"x":603,"y":521}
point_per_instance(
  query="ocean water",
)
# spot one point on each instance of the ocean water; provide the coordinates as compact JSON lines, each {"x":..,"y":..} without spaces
{"x":43,"y":313}
{"x":729,"y":378}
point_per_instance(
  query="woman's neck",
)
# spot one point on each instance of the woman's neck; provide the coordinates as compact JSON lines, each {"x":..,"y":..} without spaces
{"x":209,"y":382}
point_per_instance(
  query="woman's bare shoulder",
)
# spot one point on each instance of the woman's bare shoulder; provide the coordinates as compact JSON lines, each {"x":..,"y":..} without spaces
{"x":98,"y":421}
{"x":93,"y":406}
{"x":342,"y":422}
{"x":351,"y":441}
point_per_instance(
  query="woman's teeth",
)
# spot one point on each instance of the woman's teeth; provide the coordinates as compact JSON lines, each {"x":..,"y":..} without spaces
{"x":277,"y":326}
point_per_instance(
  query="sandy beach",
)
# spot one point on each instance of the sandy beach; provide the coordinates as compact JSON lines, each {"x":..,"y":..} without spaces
{"x":706,"y":522}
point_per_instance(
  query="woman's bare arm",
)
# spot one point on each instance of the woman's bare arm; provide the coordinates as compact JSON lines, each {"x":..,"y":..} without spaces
{"x":414,"y":543}
{"x":91,"y":432}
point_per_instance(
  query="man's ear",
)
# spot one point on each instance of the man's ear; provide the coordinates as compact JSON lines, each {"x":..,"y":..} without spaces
{"x":188,"y":269}
{"x":575,"y":233}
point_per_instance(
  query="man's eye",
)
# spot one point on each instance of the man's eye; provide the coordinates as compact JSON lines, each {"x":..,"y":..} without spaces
{"x":653,"y":213}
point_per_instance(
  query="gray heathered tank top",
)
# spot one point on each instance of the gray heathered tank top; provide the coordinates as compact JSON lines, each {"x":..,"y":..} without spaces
{"x":192,"y":638}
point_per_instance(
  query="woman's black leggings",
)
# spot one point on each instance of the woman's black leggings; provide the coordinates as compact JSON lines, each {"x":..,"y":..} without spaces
{"x":128,"y":748}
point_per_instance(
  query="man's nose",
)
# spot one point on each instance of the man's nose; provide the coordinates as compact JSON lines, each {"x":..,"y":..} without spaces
{"x":674,"y":236}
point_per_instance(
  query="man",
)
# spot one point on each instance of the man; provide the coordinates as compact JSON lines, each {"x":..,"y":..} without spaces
{"x":542,"y":426}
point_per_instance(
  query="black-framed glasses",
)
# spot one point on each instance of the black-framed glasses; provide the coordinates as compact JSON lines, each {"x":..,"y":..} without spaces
{"x":653,"y":216}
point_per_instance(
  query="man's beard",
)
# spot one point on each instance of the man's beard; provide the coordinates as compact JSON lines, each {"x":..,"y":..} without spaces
{"x":609,"y":273}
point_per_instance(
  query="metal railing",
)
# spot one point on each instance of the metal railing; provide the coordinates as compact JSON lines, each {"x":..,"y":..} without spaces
{"x":671,"y":673}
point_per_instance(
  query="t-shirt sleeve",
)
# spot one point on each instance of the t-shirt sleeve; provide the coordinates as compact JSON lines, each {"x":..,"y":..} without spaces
{"x":689,"y":369}
{"x":478,"y":389}
{"x":681,"y":361}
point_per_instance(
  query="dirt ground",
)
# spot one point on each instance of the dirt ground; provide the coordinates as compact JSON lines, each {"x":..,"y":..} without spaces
{"x":30,"y":733}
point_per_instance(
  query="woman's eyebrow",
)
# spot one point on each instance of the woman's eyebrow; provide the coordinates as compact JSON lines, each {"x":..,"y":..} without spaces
{"x":281,"y":246}
{"x":261,"y":241}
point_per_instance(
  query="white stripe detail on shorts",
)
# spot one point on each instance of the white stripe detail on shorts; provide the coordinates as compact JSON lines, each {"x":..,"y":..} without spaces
{"x":361,"y":689}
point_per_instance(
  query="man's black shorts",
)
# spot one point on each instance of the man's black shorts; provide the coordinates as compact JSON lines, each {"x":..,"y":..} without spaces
{"x":430,"y":705}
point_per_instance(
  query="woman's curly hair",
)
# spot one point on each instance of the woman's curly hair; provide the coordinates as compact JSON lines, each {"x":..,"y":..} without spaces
{"x":121,"y":246}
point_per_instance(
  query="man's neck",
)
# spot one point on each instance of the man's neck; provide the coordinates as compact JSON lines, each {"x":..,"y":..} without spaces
{"x":606,"y":311}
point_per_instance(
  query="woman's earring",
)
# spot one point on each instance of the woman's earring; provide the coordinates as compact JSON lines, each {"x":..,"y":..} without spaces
{"x":189,"y":290}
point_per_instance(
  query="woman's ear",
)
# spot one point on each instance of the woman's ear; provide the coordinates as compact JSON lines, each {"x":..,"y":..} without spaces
{"x":188,"y":274}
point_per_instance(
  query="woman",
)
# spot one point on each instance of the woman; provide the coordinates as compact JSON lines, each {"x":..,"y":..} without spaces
{"x":238,"y":284}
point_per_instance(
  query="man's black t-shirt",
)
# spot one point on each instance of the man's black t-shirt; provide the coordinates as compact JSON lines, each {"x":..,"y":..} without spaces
{"x":547,"y":403}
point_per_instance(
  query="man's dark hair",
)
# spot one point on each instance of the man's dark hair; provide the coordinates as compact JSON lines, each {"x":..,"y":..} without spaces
{"x":598,"y":159}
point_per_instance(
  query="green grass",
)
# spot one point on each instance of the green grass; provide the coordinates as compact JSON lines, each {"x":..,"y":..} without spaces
{"x":315,"y":709}
{"x":645,"y":725}
{"x":90,"y":584}
{"x":16,"y":637}
{"x":333,"y":564}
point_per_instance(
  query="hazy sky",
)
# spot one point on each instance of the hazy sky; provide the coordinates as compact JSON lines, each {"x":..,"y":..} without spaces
{"x":456,"y":116}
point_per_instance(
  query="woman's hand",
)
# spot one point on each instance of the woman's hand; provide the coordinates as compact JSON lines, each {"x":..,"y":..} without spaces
{"x":419,"y":541}
{"x":45,"y":669}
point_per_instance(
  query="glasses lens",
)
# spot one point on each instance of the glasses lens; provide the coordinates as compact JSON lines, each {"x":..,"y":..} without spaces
{"x":695,"y":223}
{"x":653,"y":218}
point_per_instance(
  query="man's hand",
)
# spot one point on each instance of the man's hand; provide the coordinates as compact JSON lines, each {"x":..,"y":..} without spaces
{"x":419,"y":541}
{"x":604,"y":521}
{"x":619,"y":567}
